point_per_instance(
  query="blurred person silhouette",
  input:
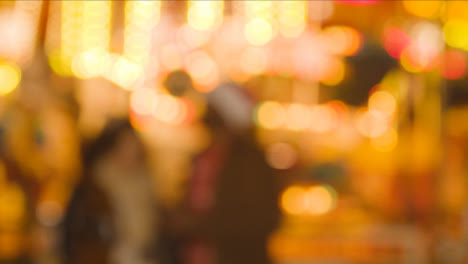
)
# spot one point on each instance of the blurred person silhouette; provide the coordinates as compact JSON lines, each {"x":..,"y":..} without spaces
{"x":230,"y":206}
{"x":112,"y":215}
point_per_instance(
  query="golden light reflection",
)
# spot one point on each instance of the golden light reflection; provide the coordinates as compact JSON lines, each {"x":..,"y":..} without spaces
{"x":10,"y":77}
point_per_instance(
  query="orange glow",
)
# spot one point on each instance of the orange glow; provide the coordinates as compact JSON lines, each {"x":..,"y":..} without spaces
{"x":423,"y":8}
{"x":271,"y":115}
{"x":386,"y":142}
{"x":281,"y":156}
{"x":342,"y":40}
{"x":294,"y":200}
{"x":452,"y":65}
{"x":316,"y":200}
{"x":298,"y":117}
{"x":320,"y":200}
{"x":335,"y":72}
{"x":383,"y":102}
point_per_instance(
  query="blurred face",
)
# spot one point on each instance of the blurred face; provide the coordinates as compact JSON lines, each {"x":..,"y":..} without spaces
{"x":128,"y":152}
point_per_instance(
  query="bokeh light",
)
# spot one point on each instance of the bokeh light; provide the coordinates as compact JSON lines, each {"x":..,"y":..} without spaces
{"x":281,"y":156}
{"x":10,"y":77}
{"x":456,"y":33}
{"x":323,"y":118}
{"x":294,"y":200}
{"x":452,"y":65}
{"x":205,"y":15}
{"x":258,"y":32}
{"x":396,"y":40}
{"x":383,"y":102}
{"x":271,"y":115}
{"x":321,"y":199}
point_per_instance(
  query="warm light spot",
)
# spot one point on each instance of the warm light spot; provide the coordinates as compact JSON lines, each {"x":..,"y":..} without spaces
{"x":371,"y":123}
{"x":205,"y":15}
{"x":320,"y":10}
{"x":396,"y":40}
{"x":323,"y":118}
{"x":10,"y":77}
{"x":271,"y":115}
{"x":456,"y":33}
{"x":191,"y":38}
{"x":203,"y":69}
{"x":383,"y":102}
{"x":342,"y":40}
{"x":171,"y":58}
{"x":281,"y":156}
{"x":294,"y":200}
{"x":291,"y":17}
{"x":253,"y":60}
{"x":143,"y":101}
{"x":167,"y":109}
{"x":258,"y":31}
{"x":423,"y":8}
{"x":452,"y":65}
{"x":385,"y":142}
{"x":335,"y":73}
{"x":298,"y":117}
{"x":126,"y":73}
{"x":320,"y":200}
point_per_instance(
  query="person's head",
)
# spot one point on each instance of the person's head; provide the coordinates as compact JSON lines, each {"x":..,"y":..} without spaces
{"x":118,"y":143}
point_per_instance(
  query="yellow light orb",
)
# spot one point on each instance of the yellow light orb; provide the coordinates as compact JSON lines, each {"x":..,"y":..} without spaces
{"x":258,"y":31}
{"x":294,"y":200}
{"x":421,"y":8}
{"x":10,"y":77}
{"x":456,"y":33}
{"x":143,"y":101}
{"x":271,"y":115}
{"x":202,"y":16}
